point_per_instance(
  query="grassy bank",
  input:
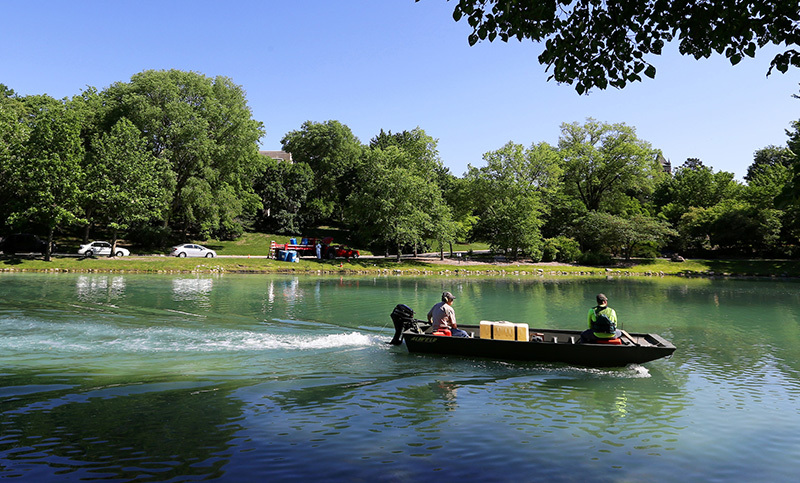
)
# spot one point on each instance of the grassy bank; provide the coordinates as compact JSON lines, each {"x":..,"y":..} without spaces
{"x":247,"y":255}
{"x":243,"y":264}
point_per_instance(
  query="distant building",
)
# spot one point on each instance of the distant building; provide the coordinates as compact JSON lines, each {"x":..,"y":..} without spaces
{"x":279,"y":155}
{"x":665,"y":163}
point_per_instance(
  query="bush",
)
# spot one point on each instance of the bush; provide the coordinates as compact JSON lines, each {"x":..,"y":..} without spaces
{"x":230,"y":230}
{"x":560,"y":249}
{"x":595,"y":258}
{"x":646,"y":250}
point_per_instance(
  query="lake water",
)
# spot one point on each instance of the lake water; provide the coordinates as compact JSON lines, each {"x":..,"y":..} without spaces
{"x":271,"y":378}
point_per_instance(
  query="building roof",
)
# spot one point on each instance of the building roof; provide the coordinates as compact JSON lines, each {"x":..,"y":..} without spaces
{"x":280,"y":155}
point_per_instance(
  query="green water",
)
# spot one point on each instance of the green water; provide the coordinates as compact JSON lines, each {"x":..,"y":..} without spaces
{"x":246,"y":378}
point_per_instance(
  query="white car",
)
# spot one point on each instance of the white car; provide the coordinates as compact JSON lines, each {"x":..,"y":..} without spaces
{"x":101,"y":248}
{"x":192,"y":250}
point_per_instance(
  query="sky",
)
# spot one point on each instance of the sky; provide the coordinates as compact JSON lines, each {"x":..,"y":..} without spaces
{"x":393,"y":65}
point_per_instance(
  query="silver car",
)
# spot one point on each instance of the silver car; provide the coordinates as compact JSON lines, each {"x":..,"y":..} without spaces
{"x":101,"y":248}
{"x":192,"y":250}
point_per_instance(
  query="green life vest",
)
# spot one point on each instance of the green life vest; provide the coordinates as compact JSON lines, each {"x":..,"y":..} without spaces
{"x":602,"y":323}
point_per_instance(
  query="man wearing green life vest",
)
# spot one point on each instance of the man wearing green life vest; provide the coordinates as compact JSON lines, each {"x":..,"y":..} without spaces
{"x":602,"y":322}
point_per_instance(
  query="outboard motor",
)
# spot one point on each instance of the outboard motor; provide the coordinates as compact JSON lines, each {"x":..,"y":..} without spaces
{"x":403,"y":318}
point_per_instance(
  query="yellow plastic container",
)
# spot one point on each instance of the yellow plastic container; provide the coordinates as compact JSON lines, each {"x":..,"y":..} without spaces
{"x":486,"y":329}
{"x":502,"y":330}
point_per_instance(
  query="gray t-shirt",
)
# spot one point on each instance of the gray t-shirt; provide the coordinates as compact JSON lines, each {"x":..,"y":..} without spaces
{"x":442,"y":316}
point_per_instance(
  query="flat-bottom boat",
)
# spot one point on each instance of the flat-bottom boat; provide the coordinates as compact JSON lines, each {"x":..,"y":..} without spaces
{"x":541,"y":345}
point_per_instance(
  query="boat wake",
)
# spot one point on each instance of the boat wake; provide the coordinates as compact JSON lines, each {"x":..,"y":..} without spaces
{"x":98,"y":338}
{"x":631,"y":371}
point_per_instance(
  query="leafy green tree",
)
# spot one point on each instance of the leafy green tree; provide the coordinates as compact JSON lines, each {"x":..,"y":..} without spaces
{"x":421,"y":155}
{"x":457,"y":196}
{"x":595,"y":43}
{"x":14,"y":133}
{"x":202,"y":130}
{"x":334,"y":155}
{"x":605,"y":162}
{"x":739,"y":228}
{"x":732,"y":227}
{"x":6,"y":92}
{"x":397,"y":206}
{"x":790,"y":195}
{"x":694,"y":185}
{"x":47,"y":175}
{"x":283,"y":188}
{"x":766,"y":158}
{"x":508,"y":195}
{"x":767,"y":178}
{"x":599,"y":231}
{"x":124,"y":181}
{"x":421,"y":150}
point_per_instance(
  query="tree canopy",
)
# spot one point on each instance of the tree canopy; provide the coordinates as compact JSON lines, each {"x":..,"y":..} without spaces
{"x":397,"y":205}
{"x":596,"y":43}
{"x":203,"y":131}
{"x":47,"y":178}
{"x":173,"y":155}
{"x":333,"y":152}
{"x":606,"y":161}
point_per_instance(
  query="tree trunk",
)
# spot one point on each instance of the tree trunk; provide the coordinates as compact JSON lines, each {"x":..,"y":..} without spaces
{"x":113,"y":243}
{"x":88,"y":230}
{"x":48,"y":248}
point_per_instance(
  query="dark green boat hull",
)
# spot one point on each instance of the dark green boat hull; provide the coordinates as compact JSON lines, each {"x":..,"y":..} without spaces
{"x":557,"y":346}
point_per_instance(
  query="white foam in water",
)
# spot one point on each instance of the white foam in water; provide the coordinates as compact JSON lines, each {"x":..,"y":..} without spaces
{"x":639,"y":371}
{"x":101,"y":338}
{"x":631,"y":371}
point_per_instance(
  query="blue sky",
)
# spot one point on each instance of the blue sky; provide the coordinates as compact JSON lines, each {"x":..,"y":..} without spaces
{"x":392,"y":65}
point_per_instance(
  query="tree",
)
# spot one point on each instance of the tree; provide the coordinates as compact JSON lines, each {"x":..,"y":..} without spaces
{"x":203,"y":131}
{"x":421,"y":151}
{"x":421,"y":156}
{"x":283,"y":188}
{"x":334,"y":155}
{"x":6,"y":92}
{"x":790,"y":195}
{"x":764,"y":159}
{"x":508,"y":196}
{"x":600,"y":231}
{"x":694,"y":185}
{"x":595,"y":43}
{"x":47,"y":175}
{"x":768,"y":176}
{"x":14,"y":133}
{"x":124,"y":181}
{"x":395,"y":205}
{"x":603,"y":161}
{"x":456,"y":194}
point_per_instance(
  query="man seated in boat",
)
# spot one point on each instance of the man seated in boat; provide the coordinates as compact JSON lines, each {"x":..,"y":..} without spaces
{"x":602,"y":322}
{"x":443,"y":316}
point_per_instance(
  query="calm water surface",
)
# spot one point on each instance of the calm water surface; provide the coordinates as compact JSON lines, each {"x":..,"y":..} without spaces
{"x":247,"y":378}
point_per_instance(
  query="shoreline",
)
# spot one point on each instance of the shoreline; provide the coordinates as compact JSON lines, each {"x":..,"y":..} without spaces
{"x":419,"y":266}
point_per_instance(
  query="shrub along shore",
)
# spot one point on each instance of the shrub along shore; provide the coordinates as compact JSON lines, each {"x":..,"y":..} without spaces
{"x":407,"y":266}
